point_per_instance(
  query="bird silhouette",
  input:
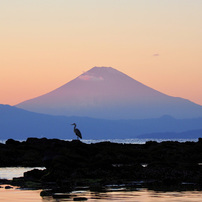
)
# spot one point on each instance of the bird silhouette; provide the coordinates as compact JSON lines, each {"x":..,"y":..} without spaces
{"x":77,"y":131}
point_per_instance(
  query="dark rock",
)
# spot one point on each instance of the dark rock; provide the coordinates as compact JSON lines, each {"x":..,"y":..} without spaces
{"x":8,"y":187}
{"x":71,"y":163}
{"x":46,"y":193}
{"x":61,"y":195}
{"x":80,"y":199}
{"x":12,"y":142}
{"x":35,"y":174}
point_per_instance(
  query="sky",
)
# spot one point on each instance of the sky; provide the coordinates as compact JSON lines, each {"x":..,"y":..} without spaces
{"x":47,"y":43}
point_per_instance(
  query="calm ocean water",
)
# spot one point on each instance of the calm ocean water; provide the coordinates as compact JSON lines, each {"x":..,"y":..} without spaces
{"x":125,"y":141}
{"x":135,"y":140}
{"x":140,"y":195}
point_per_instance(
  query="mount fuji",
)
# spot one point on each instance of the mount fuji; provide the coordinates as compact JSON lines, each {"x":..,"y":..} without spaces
{"x":104,"y":92}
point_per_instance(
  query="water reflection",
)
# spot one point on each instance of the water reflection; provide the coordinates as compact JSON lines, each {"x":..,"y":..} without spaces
{"x":16,"y":195}
{"x":142,"y":195}
{"x":134,"y":196}
{"x":111,"y":193}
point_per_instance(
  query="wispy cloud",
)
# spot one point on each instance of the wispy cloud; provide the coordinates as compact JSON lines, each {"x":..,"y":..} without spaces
{"x":156,"y":55}
{"x":87,"y":77}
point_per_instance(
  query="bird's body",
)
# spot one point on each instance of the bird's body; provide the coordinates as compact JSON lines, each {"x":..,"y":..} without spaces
{"x":77,"y":132}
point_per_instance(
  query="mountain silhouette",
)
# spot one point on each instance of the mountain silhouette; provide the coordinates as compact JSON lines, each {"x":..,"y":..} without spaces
{"x":104,"y":92}
{"x":20,"y":124}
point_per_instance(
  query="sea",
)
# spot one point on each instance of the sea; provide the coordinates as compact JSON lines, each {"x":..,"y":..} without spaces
{"x":141,"y":195}
{"x":111,"y":193}
{"x":136,"y":140}
{"x":124,"y":141}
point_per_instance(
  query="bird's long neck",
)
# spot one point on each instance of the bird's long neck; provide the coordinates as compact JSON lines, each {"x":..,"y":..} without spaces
{"x":74,"y":126}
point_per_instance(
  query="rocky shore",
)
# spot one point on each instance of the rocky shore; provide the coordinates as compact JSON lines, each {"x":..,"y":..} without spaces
{"x":73,"y":164}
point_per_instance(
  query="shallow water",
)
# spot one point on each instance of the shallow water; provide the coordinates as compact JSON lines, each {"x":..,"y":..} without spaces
{"x":136,"y":196}
{"x":17,"y":195}
{"x":112,"y":194}
{"x":143,"y":195}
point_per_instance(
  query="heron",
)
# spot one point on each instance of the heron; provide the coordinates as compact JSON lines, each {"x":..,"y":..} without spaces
{"x":77,"y":131}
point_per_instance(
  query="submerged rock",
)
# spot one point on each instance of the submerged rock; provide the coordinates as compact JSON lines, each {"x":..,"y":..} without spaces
{"x":8,"y":187}
{"x":80,"y":199}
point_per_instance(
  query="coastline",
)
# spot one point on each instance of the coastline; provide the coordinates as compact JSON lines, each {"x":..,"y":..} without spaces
{"x":70,"y":164}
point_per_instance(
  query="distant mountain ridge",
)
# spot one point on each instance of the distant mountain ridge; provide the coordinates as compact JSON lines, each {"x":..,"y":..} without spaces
{"x":20,"y":124}
{"x":106,"y":93}
{"x":191,"y":134}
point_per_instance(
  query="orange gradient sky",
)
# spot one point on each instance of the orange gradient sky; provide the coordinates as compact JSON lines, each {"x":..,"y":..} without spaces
{"x":46,"y":43}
